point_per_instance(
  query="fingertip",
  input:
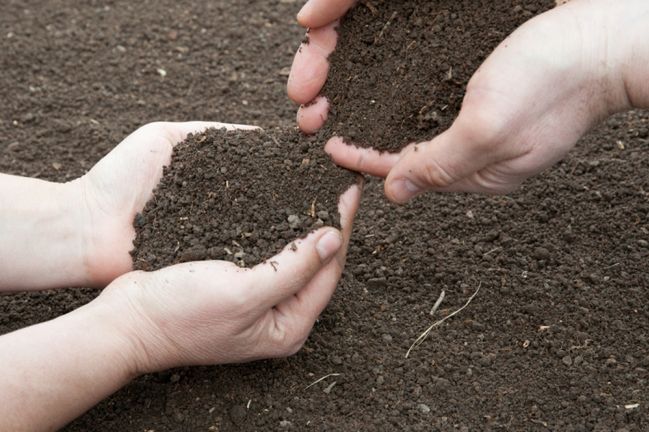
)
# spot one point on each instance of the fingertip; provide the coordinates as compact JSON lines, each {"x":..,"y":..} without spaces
{"x":329,"y":244}
{"x":366,"y":160}
{"x":312,"y":116}
{"x":349,"y":202}
{"x":308,"y":75}
{"x":304,"y":15}
{"x":401,"y":190}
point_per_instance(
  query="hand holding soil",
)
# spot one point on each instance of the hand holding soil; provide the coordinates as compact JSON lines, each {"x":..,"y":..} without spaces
{"x":524,"y":109}
{"x":194,"y":313}
{"x":85,"y":227}
{"x":215,"y":312}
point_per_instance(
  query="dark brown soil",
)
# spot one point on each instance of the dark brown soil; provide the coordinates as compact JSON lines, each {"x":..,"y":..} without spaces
{"x":238,"y":196}
{"x":557,"y":339}
{"x":400,"y":68}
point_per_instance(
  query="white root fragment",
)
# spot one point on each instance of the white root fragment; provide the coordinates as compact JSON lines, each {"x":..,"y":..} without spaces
{"x":438,"y":303}
{"x":321,"y":379}
{"x":425,"y":334}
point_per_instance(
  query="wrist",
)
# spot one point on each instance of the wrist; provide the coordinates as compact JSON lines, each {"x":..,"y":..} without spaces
{"x":42,"y":246}
{"x":142,"y":343}
{"x":105,"y":244}
{"x":112,"y":330}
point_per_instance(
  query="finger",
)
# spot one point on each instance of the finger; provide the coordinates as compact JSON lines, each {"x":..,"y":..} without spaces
{"x":317,"y":13}
{"x":313,"y":116}
{"x":310,"y":65}
{"x":306,"y":305}
{"x":443,"y":164}
{"x":364,"y":160}
{"x":289,"y":271}
{"x":177,"y":132}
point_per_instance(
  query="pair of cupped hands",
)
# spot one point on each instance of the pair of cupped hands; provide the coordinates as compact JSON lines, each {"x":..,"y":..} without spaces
{"x":525,"y":108}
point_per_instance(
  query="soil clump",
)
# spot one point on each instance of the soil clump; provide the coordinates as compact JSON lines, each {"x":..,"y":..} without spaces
{"x":400,"y":68}
{"x":239,"y":196}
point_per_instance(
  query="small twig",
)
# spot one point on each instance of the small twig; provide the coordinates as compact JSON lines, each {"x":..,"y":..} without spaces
{"x":371,"y":7}
{"x":385,"y":27}
{"x":425,"y":334}
{"x":321,"y":379}
{"x":498,"y":249}
{"x":438,"y":303}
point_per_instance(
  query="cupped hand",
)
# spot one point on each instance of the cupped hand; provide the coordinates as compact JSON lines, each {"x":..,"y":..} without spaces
{"x":118,"y":187}
{"x":215,"y":312}
{"x":524,"y":109}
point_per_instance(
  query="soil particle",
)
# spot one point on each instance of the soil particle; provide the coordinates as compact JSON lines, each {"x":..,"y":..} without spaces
{"x":239,"y":196}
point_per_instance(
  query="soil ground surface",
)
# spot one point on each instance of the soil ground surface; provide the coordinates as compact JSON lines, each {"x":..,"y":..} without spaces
{"x":557,"y":338}
{"x":238,"y":196}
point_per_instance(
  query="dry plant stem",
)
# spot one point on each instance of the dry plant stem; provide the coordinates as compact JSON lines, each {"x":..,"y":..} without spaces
{"x":425,"y":334}
{"x":321,"y":379}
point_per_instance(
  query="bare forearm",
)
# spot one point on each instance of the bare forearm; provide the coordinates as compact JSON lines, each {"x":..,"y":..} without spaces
{"x":40,"y":242}
{"x":53,"y":372}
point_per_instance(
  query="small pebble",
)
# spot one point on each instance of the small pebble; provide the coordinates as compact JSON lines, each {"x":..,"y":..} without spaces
{"x":423,"y":408}
{"x":294,"y":221}
{"x":323,"y":214}
{"x":238,"y":414}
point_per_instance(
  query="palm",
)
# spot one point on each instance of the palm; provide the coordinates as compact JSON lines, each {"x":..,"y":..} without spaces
{"x":118,"y":187}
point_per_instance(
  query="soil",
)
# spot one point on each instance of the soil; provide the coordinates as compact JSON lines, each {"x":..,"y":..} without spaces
{"x":400,"y":68}
{"x":556,"y":339}
{"x":238,"y":196}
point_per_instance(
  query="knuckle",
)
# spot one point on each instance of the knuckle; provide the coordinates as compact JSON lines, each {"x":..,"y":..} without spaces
{"x":483,"y":129}
{"x":436,"y":175}
{"x":157,"y":126}
{"x":287,"y":341}
{"x":241,"y":300}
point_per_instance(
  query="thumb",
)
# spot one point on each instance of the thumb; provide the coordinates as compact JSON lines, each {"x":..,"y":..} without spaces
{"x":445,"y":164}
{"x":291,"y":270}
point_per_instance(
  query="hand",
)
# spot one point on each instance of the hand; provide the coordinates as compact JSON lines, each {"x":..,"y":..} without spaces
{"x":215,"y":312}
{"x":524,"y":109}
{"x":118,"y":187}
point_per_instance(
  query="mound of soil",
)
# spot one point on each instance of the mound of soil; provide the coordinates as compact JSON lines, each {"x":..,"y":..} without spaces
{"x":400,"y":68}
{"x":239,"y":196}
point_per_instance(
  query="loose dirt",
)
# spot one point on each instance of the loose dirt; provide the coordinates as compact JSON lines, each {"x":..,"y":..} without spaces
{"x":400,"y":68}
{"x":556,"y":339}
{"x":238,"y":196}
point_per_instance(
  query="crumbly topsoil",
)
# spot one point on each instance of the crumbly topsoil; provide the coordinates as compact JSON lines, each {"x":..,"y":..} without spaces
{"x":239,"y":196}
{"x":400,"y":68}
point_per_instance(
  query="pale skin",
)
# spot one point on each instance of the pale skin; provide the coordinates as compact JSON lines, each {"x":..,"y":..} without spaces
{"x":526,"y":107}
{"x":203,"y":313}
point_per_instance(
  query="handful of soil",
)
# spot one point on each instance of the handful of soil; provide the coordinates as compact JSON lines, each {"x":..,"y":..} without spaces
{"x":240,"y":196}
{"x":400,"y":68}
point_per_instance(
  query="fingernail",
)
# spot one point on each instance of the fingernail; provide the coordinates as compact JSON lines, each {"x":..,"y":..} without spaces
{"x":329,"y":244}
{"x":404,"y":189}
